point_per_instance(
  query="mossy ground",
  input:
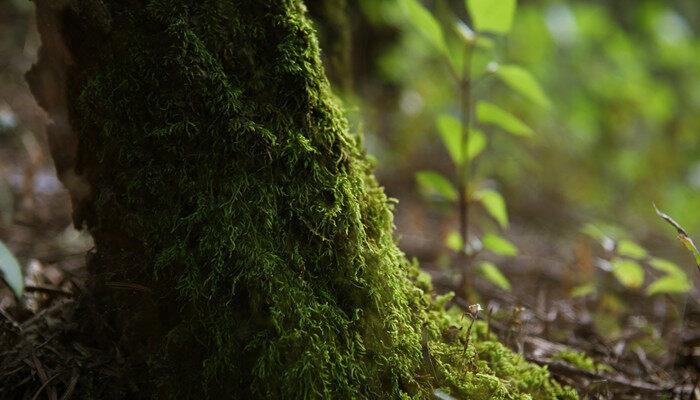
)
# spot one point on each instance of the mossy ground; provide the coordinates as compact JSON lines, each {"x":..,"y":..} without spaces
{"x":224,"y":183}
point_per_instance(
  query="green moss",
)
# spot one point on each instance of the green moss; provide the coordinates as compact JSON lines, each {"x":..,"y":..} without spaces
{"x":581,"y":360}
{"x":225,"y":182}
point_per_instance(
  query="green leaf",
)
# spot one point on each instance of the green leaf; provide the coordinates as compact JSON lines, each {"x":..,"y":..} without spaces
{"x":433,"y":184}
{"x":682,"y":235}
{"x":494,"y":275}
{"x":631,"y":249}
{"x":669,"y":284}
{"x":666,"y":266}
{"x":11,"y":271}
{"x":492,"y":15}
{"x":595,"y":232}
{"x":495,"y":205}
{"x":454,"y":241}
{"x":485,"y":43}
{"x":603,"y":237}
{"x":476,"y":144}
{"x":583,"y":290}
{"x":499,"y":245}
{"x":520,"y":80}
{"x":628,"y":272}
{"x":690,"y":245}
{"x":489,"y":113}
{"x":424,"y":21}
{"x":450,"y":129}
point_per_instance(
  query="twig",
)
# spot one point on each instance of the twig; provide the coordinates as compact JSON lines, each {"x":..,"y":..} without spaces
{"x":128,"y":286}
{"x":469,"y":336}
{"x":10,"y":319}
{"x":71,"y":386}
{"x":52,"y":393}
{"x":47,"y":290}
{"x":44,"y":378}
{"x":568,"y":369}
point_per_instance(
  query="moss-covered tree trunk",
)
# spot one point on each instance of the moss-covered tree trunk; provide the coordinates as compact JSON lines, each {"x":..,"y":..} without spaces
{"x":243,"y":247}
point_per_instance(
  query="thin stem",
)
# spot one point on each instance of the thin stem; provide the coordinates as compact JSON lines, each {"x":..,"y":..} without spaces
{"x":463,"y":169}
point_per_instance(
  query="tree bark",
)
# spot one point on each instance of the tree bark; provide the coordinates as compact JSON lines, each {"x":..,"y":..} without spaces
{"x":243,"y":246}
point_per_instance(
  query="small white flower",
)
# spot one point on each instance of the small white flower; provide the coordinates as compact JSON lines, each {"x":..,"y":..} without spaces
{"x":475,"y":308}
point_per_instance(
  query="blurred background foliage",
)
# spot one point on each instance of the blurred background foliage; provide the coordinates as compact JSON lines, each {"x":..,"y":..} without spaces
{"x":622,"y":131}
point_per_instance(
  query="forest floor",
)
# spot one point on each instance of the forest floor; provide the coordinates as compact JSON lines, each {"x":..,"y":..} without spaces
{"x":615,"y":343}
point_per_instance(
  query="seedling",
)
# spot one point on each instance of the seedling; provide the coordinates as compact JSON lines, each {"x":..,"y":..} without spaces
{"x":457,"y":44}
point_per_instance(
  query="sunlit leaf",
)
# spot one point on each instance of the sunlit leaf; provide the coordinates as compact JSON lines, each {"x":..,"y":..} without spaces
{"x":594,"y":232}
{"x":682,"y":235}
{"x":671,"y":283}
{"x":11,"y":271}
{"x":454,"y":241}
{"x":628,"y":272}
{"x":494,"y":275}
{"x":690,"y":245}
{"x":492,"y":15}
{"x":499,"y":245}
{"x":495,"y":205}
{"x":631,"y":249}
{"x":450,"y":129}
{"x":424,"y":21}
{"x":485,"y":43}
{"x":583,"y":290}
{"x":489,"y":113}
{"x":434,"y":184}
{"x":599,"y":235}
{"x":477,"y":143}
{"x":666,"y":266}
{"x":521,"y":81}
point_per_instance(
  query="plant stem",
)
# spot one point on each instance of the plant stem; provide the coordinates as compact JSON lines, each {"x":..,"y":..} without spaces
{"x":463,"y":169}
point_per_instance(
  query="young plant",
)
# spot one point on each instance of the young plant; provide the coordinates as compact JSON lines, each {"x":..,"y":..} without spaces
{"x":457,"y":43}
{"x":626,"y":260}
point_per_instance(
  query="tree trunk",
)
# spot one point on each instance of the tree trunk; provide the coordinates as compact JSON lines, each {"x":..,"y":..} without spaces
{"x":243,"y":246}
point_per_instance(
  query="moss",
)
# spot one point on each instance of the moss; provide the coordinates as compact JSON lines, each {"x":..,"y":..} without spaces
{"x":581,"y":360}
{"x":243,"y":247}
